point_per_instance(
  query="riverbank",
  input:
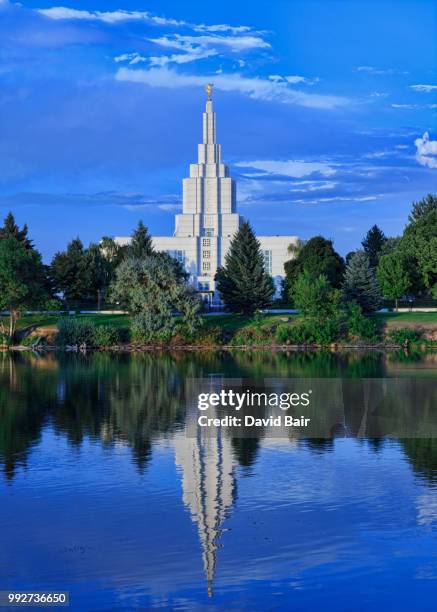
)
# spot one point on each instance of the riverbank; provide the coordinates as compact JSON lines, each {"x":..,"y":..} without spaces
{"x":228,"y":331}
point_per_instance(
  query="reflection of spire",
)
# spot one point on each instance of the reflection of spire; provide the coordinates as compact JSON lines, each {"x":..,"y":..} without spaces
{"x":208,"y":485}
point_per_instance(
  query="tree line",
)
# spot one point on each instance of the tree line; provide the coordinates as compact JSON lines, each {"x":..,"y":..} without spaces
{"x":152,"y":285}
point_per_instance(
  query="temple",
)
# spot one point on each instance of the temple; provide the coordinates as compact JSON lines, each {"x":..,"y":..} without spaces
{"x":209,"y":219}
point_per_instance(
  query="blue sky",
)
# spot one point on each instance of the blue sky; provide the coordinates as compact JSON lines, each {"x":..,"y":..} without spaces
{"x":327,"y":112}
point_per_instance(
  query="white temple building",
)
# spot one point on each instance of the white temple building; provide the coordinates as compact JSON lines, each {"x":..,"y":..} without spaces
{"x":209,"y":219}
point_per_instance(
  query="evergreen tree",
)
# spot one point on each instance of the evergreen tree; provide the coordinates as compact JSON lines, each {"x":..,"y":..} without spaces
{"x":243,"y":283}
{"x":360,"y":284}
{"x":11,"y":230}
{"x":373,"y":243}
{"x":421,"y":208}
{"x":22,"y":279}
{"x":141,"y":244}
{"x":70,"y":273}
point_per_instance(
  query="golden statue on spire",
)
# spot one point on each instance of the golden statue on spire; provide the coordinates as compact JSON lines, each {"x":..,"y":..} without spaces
{"x":208,"y":89}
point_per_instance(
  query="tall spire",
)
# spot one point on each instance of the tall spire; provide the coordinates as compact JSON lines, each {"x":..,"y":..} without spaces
{"x":209,"y":137}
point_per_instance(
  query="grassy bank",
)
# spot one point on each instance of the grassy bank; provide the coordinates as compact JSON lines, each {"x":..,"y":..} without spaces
{"x":238,"y":330}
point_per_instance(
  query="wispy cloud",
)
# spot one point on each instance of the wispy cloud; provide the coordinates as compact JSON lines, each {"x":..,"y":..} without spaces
{"x":111,"y":17}
{"x":426,"y":151}
{"x":59,"y":13}
{"x":234,"y":43}
{"x":255,"y":87}
{"x":291,"y":168}
{"x":379,"y":71}
{"x":424,"y":88}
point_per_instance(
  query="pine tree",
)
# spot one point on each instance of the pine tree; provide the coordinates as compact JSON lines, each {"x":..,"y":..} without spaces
{"x":360,"y":284}
{"x":11,"y":230}
{"x":141,"y":245}
{"x":243,"y":283}
{"x":373,"y":243}
{"x":421,"y":208}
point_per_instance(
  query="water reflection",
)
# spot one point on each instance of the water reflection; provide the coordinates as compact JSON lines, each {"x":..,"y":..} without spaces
{"x":138,"y":400}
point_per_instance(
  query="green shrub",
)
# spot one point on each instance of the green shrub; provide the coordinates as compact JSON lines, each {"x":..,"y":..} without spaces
{"x":309,"y":331}
{"x":152,"y":327}
{"x":254,"y":334}
{"x":359,"y":326}
{"x":404,"y":335}
{"x":105,"y":335}
{"x":75,"y":332}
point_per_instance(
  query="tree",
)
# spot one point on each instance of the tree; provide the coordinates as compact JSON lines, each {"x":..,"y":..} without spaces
{"x":99,"y":270}
{"x":70,"y":273}
{"x":242,"y":282}
{"x":390,"y":245}
{"x":317,"y":256}
{"x":114,"y":252}
{"x":360,"y":284}
{"x":141,"y":244}
{"x":421,"y":208}
{"x":420,"y":243}
{"x":373,"y":243}
{"x":314,"y":297}
{"x":151,"y":289}
{"x":22,"y":281}
{"x":393,"y":275}
{"x":11,"y":230}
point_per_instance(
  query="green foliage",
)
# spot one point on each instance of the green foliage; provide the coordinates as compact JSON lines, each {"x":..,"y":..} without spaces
{"x":310,"y":331}
{"x":404,"y":335}
{"x":152,"y":325}
{"x":22,"y":275}
{"x":105,"y":336}
{"x":255,"y":335}
{"x":360,"y":284}
{"x":422,"y":208}
{"x":316,"y":256}
{"x":393,"y":274}
{"x":70,"y":272}
{"x":315,"y":297}
{"x":11,"y":230}
{"x":4,"y":338}
{"x":141,"y":243}
{"x":152,"y":289}
{"x":75,"y":332}
{"x":243,"y":282}
{"x":373,"y":244}
{"x":359,"y":326}
{"x":420,"y":243}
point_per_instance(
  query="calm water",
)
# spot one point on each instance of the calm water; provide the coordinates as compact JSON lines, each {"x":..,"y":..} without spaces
{"x":102,"y":494}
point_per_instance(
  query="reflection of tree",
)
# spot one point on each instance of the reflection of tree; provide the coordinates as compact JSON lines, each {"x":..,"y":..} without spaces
{"x":132,"y":399}
{"x":24,"y":395}
{"x":422,"y":454}
{"x":245,"y":450}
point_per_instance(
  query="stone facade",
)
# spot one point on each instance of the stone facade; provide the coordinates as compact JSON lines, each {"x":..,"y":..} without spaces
{"x":209,"y":219}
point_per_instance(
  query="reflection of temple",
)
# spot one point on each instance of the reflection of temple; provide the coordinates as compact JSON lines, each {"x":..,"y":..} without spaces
{"x":208,"y":484}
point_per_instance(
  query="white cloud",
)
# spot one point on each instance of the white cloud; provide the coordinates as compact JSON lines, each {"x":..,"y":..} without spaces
{"x":339,"y":199}
{"x":131,"y":58}
{"x":379,"y":94}
{"x":254,"y":87}
{"x":119,"y":16}
{"x":234,"y":43}
{"x":403,"y":106}
{"x":112,"y":17}
{"x":426,"y":151}
{"x":303,"y":186}
{"x":182,"y":58}
{"x":292,"y":168}
{"x":379,"y":71}
{"x":424,"y":88}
